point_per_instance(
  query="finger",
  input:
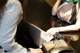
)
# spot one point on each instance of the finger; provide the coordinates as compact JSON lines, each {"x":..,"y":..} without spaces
{"x":39,"y":51}
{"x":51,"y":34}
{"x":48,"y":32}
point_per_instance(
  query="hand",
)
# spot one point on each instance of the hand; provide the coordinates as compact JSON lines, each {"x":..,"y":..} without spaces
{"x":52,"y":31}
{"x":35,"y":50}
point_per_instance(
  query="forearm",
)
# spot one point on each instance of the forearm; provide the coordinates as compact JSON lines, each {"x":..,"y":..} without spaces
{"x":55,"y":7}
{"x":69,"y":28}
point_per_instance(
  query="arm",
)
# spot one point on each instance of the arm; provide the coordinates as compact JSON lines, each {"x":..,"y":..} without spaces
{"x":74,"y":27}
{"x":8,"y":27}
{"x":55,"y":7}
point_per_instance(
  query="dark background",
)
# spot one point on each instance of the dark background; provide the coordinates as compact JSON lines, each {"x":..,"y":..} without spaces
{"x":38,"y":12}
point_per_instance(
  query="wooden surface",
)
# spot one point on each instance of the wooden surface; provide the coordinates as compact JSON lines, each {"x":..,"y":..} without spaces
{"x":50,"y":2}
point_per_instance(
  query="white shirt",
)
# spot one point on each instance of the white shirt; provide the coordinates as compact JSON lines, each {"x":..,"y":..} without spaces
{"x":8,"y":26}
{"x":65,"y":3}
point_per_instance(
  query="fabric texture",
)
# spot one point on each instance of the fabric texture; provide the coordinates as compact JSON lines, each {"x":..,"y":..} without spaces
{"x":11,"y":17}
{"x":70,"y":20}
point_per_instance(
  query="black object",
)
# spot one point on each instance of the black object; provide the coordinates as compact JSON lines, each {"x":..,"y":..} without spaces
{"x":24,"y":35}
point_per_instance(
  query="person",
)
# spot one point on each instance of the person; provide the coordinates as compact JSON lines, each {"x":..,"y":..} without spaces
{"x":68,"y":19}
{"x":10,"y":16}
{"x":64,"y":14}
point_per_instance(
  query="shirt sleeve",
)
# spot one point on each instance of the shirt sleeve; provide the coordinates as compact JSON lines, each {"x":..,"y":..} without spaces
{"x":8,"y":26}
{"x":65,"y":3}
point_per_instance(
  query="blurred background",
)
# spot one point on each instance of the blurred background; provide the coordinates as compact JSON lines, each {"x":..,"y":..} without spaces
{"x":38,"y":12}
